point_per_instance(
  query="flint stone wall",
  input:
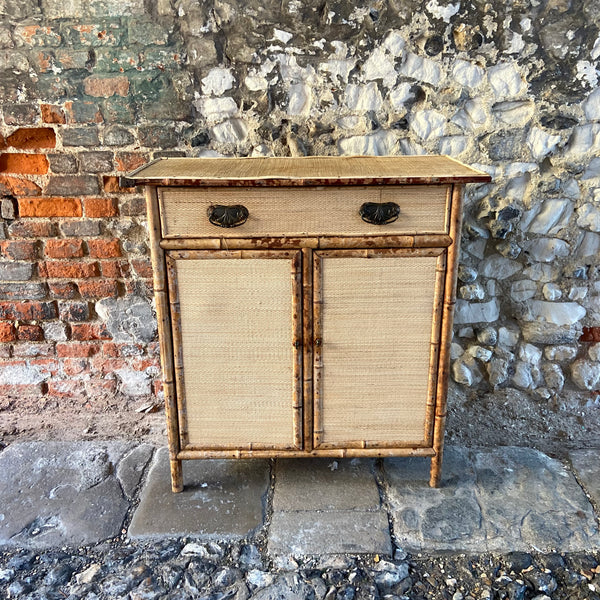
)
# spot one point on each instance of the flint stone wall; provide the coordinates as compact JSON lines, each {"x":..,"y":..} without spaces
{"x":93,"y":89}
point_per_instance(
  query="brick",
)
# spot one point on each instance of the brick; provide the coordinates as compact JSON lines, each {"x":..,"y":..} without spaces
{"x":128,"y":161}
{"x":83,"y":332}
{"x":52,"y":87}
{"x":8,"y":333}
{"x":63,"y":163}
{"x":116,"y":60}
{"x":36,"y":35}
{"x":590,"y":334}
{"x":21,"y":114}
{"x":30,"y":333}
{"x":28,"y":311}
{"x":104,"y":87}
{"x":96,"y":162}
{"x":118,"y":136}
{"x":104,"y":288}
{"x":66,"y":389}
{"x":50,"y":207}
{"x":74,"y":311}
{"x":104,"y":248}
{"x":32,"y":137}
{"x":107,"y":366}
{"x":80,"y":136}
{"x":64,"y":248}
{"x":118,"y":110}
{"x":85,"y":228}
{"x":77,"y":349}
{"x":9,"y":208}
{"x":42,"y":60}
{"x":16,"y":271}
{"x":18,"y":250}
{"x":76,"y":185}
{"x":75,"y":366}
{"x":147,"y":32}
{"x":115,"y":269}
{"x":52,"y":113}
{"x":142,"y":267}
{"x":68,"y":58}
{"x":100,"y":387}
{"x":100,"y":207}
{"x":31,"y":229}
{"x":17,"y":186}
{"x":63,"y":289}
{"x":140,"y":287}
{"x":158,"y":136}
{"x":25,"y":390}
{"x":83,"y":111}
{"x":24,"y":164}
{"x":111,"y":186}
{"x":108,"y":33}
{"x":63,"y":269}
{"x":23,"y":291}
{"x":33,"y":349}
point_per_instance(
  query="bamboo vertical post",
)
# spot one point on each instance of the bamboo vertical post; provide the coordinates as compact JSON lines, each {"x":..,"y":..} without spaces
{"x":297,"y":334}
{"x":446,"y":336}
{"x":317,"y":343}
{"x":164,"y":332}
{"x":307,"y":334}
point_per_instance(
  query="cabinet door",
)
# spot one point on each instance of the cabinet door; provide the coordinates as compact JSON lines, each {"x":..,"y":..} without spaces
{"x":236,"y":323}
{"x":376,"y":330}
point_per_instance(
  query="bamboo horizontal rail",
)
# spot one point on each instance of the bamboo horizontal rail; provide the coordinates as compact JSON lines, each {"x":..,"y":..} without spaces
{"x":330,"y":453}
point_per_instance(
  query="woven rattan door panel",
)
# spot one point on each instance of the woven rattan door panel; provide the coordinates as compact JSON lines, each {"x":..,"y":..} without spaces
{"x":235,"y":323}
{"x":376,"y":323}
{"x":303,"y":211}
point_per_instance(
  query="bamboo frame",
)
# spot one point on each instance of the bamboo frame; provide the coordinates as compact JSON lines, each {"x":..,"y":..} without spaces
{"x":296,"y":335}
{"x":426,"y":240}
{"x":165,"y":341}
{"x":307,"y":345}
{"x":455,"y":227}
{"x":329,"y":453}
{"x":317,"y":302}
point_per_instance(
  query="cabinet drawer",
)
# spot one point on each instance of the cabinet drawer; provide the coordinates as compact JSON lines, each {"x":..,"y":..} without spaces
{"x":304,"y":211}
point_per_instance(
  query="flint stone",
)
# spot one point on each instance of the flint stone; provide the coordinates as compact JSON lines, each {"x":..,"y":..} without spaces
{"x":400,"y":95}
{"x":507,"y":145}
{"x":216,"y":109}
{"x":217,"y":82}
{"x":585,"y":374}
{"x":471,"y":116}
{"x":553,"y":216}
{"x":379,"y":65}
{"x":560,"y":353}
{"x":453,"y":145}
{"x":221,"y":499}
{"x":591,"y":106}
{"x":523,"y":376}
{"x":589,"y":245}
{"x":231,"y":131}
{"x":556,"y":313}
{"x":422,"y":69}
{"x":427,"y":124}
{"x":547,"y":249}
{"x":514,"y":113}
{"x":541,"y":143}
{"x":363,"y":98}
{"x":541,"y":272}
{"x":523,"y":290}
{"x":588,"y":217}
{"x":538,"y":332}
{"x":299,"y":99}
{"x":551,"y":291}
{"x":506,"y":81}
{"x":467,"y":73}
{"x":61,"y":493}
{"x":594,"y":352}
{"x":593,"y":170}
{"x":499,"y":267}
{"x":289,"y":586}
{"x":476,"y":312}
{"x":554,"y":377}
{"x":380,"y":143}
{"x":473,"y":291}
{"x":584,"y":139}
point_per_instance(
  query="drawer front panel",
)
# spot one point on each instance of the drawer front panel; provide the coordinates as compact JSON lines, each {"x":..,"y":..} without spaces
{"x":309,"y":211}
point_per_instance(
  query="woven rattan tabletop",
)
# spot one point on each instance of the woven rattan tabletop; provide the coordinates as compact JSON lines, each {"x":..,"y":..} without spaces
{"x":312,"y":170}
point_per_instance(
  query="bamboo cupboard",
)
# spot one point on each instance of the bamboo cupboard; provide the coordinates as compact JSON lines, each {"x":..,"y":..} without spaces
{"x":305,"y":304}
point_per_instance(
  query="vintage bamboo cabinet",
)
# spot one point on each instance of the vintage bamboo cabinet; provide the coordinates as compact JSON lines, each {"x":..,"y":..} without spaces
{"x":305,"y":304}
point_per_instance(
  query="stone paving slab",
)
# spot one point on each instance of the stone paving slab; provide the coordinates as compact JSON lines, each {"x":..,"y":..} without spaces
{"x":67,"y":493}
{"x":222,"y":499}
{"x":300,"y":533}
{"x":325,"y":484}
{"x":587,"y":467}
{"x":501,"y":499}
{"x":327,"y":506}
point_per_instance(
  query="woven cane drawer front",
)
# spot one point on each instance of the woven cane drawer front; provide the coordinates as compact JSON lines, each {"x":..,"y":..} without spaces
{"x":308,"y":211}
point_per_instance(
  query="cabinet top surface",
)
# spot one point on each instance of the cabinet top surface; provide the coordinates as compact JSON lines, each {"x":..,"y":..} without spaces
{"x":313,"y":170}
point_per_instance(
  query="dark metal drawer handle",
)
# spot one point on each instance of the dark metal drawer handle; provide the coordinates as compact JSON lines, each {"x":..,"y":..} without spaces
{"x":227,"y":216}
{"x":379,"y":213}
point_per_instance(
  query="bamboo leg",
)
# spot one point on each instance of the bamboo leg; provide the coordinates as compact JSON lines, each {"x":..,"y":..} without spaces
{"x":446,"y":336}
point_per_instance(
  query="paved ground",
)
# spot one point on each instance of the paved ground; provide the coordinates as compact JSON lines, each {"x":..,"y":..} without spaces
{"x":501,"y":500}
